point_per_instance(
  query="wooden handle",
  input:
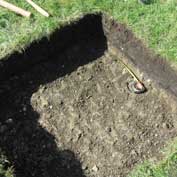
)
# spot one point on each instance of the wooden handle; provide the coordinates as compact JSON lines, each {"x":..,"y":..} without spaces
{"x":15,"y":8}
{"x":39,"y":9}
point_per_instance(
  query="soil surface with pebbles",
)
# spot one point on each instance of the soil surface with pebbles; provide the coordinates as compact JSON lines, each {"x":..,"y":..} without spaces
{"x":62,"y":122}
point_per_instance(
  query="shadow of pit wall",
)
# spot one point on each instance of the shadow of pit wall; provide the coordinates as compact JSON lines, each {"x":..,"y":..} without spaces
{"x":29,"y":147}
{"x":88,"y":28}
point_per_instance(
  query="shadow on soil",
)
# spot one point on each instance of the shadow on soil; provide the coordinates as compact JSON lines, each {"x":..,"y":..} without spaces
{"x":29,"y":147}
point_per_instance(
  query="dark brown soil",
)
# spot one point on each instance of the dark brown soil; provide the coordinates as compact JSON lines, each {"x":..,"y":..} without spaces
{"x":153,"y":66}
{"x":73,"y":116}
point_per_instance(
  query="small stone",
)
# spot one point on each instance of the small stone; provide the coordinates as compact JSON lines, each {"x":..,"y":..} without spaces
{"x":44,"y":102}
{"x":9,"y":121}
{"x":133,"y":152}
{"x":108,"y":129}
{"x":24,"y":109}
{"x":156,"y":135}
{"x":61,"y":102}
{"x":50,"y":107}
{"x":167,"y":125}
{"x":157,"y":125}
{"x":48,"y":116}
{"x":148,"y":80}
{"x":79,"y":135}
{"x":84,"y":167}
{"x":90,"y":78}
{"x":95,"y":168}
{"x":41,"y":90}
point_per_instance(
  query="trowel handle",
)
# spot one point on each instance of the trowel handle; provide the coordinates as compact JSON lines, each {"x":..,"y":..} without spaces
{"x":14,"y":8}
{"x":38,"y":8}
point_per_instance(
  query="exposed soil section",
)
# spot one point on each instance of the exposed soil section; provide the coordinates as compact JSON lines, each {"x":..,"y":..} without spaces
{"x":73,"y":116}
{"x":153,"y":66}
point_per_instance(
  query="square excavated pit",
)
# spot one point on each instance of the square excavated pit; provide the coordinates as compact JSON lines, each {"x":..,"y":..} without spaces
{"x":66,"y":110}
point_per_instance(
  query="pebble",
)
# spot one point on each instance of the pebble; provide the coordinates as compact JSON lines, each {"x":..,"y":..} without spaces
{"x":85,"y":167}
{"x":90,"y":78}
{"x":133,"y":152}
{"x":61,"y":102}
{"x":44,"y":102}
{"x":95,"y":168}
{"x":157,"y":125}
{"x":164,"y":125}
{"x":42,"y":89}
{"x":109,"y":129}
{"x":148,"y":80}
{"x":156,"y":135}
{"x":9,"y":121}
{"x":167,"y":125}
{"x":24,"y":109}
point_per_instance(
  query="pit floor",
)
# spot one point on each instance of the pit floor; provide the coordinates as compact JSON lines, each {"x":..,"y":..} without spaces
{"x":62,"y":122}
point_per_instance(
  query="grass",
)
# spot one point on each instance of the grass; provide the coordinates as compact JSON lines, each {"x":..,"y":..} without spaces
{"x":5,"y":169}
{"x":155,"y":24}
{"x":164,"y":168}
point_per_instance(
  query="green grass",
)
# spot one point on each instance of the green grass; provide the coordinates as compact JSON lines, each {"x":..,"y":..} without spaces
{"x":155,"y":24}
{"x":5,"y":169}
{"x":164,"y":168}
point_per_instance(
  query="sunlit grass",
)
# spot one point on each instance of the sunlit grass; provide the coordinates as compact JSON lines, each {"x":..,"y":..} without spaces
{"x":155,"y":24}
{"x":5,"y":169}
{"x":165,"y":168}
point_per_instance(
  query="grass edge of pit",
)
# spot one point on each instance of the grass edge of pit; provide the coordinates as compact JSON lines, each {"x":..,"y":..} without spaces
{"x":162,"y":168}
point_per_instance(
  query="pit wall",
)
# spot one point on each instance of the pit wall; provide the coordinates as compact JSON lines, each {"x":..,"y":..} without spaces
{"x":127,"y":47}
